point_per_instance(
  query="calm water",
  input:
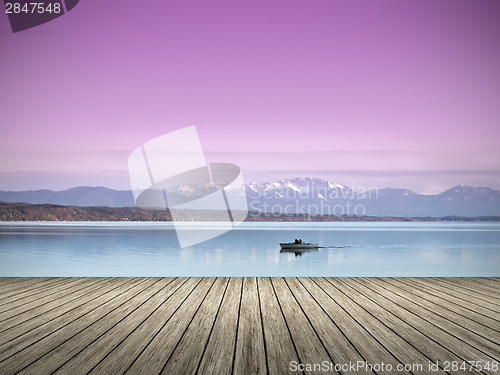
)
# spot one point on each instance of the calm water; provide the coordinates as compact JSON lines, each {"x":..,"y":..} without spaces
{"x":151,"y":249}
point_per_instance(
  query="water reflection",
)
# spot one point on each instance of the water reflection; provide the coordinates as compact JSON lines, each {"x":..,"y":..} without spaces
{"x":298,"y":251}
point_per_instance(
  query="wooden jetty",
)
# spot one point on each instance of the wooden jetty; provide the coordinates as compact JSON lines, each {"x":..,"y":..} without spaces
{"x":249,"y":325}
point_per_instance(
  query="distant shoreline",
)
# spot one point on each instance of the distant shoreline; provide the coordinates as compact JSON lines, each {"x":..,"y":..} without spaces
{"x":53,"y":212}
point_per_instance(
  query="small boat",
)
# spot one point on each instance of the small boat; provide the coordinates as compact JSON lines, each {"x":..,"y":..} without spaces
{"x":299,"y":246}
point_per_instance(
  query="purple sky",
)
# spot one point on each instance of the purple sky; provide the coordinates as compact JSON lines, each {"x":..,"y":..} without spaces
{"x":365,"y":93}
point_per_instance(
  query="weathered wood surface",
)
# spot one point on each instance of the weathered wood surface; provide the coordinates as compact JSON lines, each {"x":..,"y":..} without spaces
{"x":248,"y":325}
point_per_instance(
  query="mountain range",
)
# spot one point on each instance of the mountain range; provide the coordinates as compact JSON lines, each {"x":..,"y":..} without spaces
{"x":333,"y":198}
{"x":301,"y":196}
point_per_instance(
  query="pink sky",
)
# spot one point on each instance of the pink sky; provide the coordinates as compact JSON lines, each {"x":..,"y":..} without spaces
{"x":365,"y":93}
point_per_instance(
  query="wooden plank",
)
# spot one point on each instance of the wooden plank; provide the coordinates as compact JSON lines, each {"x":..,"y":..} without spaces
{"x":493,"y":286}
{"x":88,"y":358}
{"x":243,"y":325}
{"x":250,"y":356}
{"x":449,"y":300}
{"x":478,"y":323}
{"x":55,"y":358}
{"x":469,"y":295}
{"x":280,"y":349}
{"x":411,"y":347}
{"x":47,"y":302}
{"x":126,"y":352}
{"x":402,"y":352}
{"x":36,"y":285}
{"x":12,"y":283}
{"x":219,"y":352}
{"x":370,"y":350}
{"x":33,"y":300}
{"x":187,"y":354}
{"x":25,"y":298}
{"x":450,"y":295}
{"x":488,"y":284}
{"x":309,"y":347}
{"x":27,"y":327}
{"x":9,"y":283}
{"x":469,"y":285}
{"x":35,"y":352}
{"x":493,"y":280}
{"x":11,"y":280}
{"x":152,"y":359}
{"x":18,"y":338}
{"x":432,"y":349}
{"x":461,"y":342}
{"x":457,"y":326}
{"x":493,"y":283}
{"x":336,"y":342}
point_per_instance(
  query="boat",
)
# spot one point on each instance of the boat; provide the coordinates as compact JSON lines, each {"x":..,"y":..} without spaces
{"x":298,"y":246}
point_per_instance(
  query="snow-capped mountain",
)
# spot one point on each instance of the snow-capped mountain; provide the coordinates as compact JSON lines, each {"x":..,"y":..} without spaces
{"x":310,"y":195}
{"x":302,"y":196}
{"x":303,"y":189}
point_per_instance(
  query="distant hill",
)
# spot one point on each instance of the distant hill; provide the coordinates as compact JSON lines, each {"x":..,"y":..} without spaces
{"x":77,"y":196}
{"x":302,"y":196}
{"x":53,"y":212}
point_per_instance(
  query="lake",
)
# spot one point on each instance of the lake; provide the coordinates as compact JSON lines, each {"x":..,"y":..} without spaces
{"x":348,"y":249}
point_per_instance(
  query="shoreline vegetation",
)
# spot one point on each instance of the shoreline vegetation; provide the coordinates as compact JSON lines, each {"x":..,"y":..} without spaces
{"x":53,"y":212}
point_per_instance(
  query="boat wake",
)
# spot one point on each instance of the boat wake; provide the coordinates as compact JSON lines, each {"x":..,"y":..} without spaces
{"x":333,"y":247}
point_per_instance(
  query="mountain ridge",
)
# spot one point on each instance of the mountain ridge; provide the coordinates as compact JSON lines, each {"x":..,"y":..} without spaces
{"x":302,"y":196}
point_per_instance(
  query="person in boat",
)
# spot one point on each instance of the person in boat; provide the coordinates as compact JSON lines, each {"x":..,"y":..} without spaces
{"x":300,"y":241}
{"x":296,"y":241}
